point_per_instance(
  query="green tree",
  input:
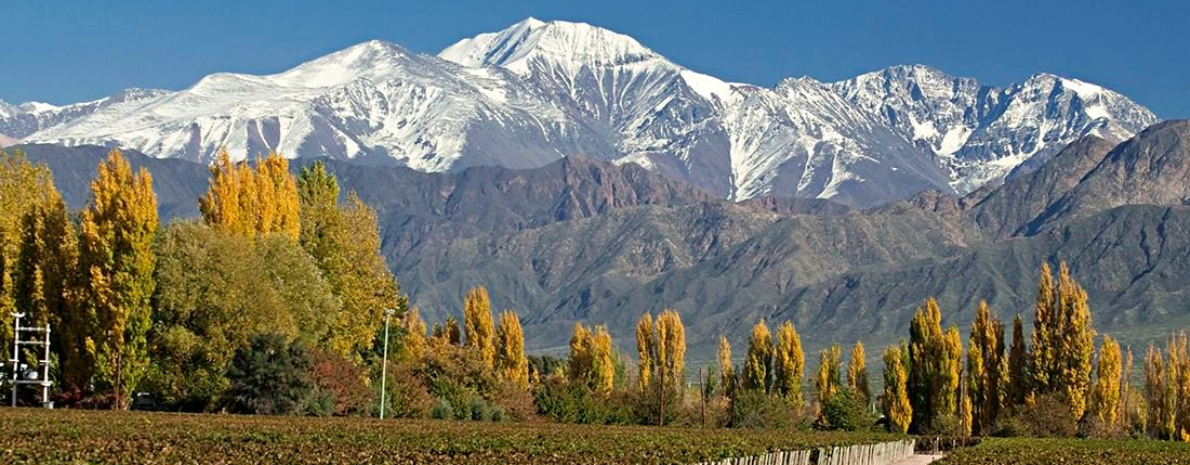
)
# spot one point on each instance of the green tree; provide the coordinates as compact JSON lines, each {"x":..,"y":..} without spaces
{"x":1018,"y":363}
{"x":271,"y":376}
{"x":116,"y":261}
{"x":345,"y":243}
{"x":215,"y":291}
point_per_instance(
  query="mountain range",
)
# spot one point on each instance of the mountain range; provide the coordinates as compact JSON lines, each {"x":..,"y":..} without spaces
{"x":583,"y":239}
{"x":537,"y":92}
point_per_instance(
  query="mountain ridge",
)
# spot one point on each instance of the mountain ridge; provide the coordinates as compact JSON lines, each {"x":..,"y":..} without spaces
{"x":538,"y":91}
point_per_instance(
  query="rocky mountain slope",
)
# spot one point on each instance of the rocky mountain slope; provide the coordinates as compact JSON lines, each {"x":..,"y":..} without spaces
{"x":538,"y":91}
{"x":586,"y":240}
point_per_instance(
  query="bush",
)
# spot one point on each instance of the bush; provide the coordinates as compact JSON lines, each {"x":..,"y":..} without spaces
{"x":567,"y":402}
{"x":270,"y":376}
{"x":479,"y":409}
{"x":1048,"y":417}
{"x":756,"y":409}
{"x":848,"y":411}
{"x":408,"y":393}
{"x":341,"y":383}
{"x":442,"y":411}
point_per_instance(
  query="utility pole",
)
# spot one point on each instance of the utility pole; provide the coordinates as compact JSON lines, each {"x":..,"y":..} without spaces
{"x":661,"y":395}
{"x":388,"y":313}
{"x":702,"y":393}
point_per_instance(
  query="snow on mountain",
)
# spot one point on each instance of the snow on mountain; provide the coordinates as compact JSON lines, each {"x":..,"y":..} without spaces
{"x":738,"y":141}
{"x":373,"y":101}
{"x":30,"y":117}
{"x":536,"y":91}
{"x":983,"y":133}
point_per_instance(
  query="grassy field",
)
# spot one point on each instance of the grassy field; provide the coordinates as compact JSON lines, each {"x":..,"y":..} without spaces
{"x":1070,"y":452}
{"x":30,"y":436}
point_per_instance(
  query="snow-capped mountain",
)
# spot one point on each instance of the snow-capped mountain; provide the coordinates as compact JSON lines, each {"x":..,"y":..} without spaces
{"x":537,"y":91}
{"x":373,"y":100}
{"x":736,"y":140}
{"x":983,"y":133}
{"x":17,"y":121}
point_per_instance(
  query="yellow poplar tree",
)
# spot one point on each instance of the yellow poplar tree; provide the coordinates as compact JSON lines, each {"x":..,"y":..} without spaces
{"x":760,"y":355}
{"x":925,"y":343}
{"x":23,"y":187}
{"x":789,"y":364}
{"x":117,"y":261}
{"x":591,"y":358}
{"x":280,"y":207}
{"x":414,"y":329}
{"x":603,"y":369}
{"x":828,"y":380}
{"x":477,"y":324}
{"x":951,"y":372}
{"x":726,"y":370}
{"x":646,"y":347}
{"x":580,"y":361}
{"x":1104,"y":403}
{"x":1043,"y":369}
{"x":1076,"y":342}
{"x":45,"y":276}
{"x":511,"y":363}
{"x":966,"y":414}
{"x":857,"y":373}
{"x":985,"y":359}
{"x":1155,"y":389}
{"x":896,"y":391}
{"x":671,"y":351}
{"x":251,"y":202}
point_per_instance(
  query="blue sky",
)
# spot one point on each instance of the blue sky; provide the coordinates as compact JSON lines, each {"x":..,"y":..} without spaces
{"x":62,"y":51}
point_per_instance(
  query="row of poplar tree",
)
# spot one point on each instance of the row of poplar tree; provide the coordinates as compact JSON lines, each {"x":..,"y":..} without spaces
{"x":932,"y":386}
{"x":137,"y":305}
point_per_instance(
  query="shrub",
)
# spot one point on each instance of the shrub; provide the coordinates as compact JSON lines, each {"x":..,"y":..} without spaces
{"x":567,"y":402}
{"x":752,"y":408}
{"x":408,"y":393}
{"x":846,"y":410}
{"x":342,"y":383}
{"x":442,"y":411}
{"x":1048,"y":417}
{"x":270,"y":376}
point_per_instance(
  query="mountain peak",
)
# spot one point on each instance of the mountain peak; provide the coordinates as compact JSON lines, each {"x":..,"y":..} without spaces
{"x":369,"y":58}
{"x":560,"y":42}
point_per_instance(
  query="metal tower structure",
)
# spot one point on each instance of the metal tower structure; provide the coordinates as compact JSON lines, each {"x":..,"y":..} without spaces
{"x":22,"y":375}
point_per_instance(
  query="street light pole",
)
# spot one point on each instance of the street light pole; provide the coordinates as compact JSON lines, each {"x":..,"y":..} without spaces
{"x":388,"y":313}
